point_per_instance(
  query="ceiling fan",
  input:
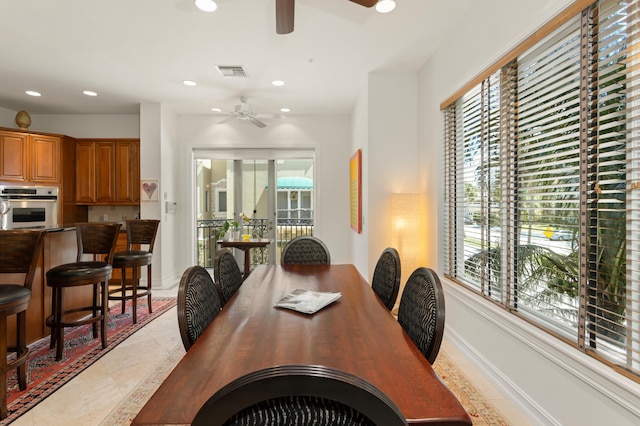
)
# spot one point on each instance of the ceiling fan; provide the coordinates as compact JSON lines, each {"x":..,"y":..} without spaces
{"x":285,"y":12}
{"x":244,"y":111}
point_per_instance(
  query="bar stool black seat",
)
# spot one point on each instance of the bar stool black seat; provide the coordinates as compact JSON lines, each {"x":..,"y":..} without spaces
{"x":19,"y":254}
{"x":140,"y":232}
{"x":97,"y":239}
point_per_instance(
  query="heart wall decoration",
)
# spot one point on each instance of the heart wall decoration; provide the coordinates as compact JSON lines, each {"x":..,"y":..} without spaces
{"x":149,"y":190}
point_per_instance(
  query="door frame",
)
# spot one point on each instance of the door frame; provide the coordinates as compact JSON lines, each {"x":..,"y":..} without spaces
{"x":238,"y":155}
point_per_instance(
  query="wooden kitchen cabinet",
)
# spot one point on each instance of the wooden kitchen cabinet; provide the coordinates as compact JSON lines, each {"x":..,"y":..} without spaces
{"x":85,"y":172}
{"x":105,"y":172}
{"x":127,"y":176}
{"x":45,"y":158}
{"x":108,"y":172}
{"x":29,"y":157}
{"x":14,"y":151}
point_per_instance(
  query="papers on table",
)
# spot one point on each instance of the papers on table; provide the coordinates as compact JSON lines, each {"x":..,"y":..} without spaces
{"x":307,"y":301}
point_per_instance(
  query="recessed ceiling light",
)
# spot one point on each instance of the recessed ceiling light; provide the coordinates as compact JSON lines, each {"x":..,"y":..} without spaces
{"x":32,"y":93}
{"x":216,"y":110}
{"x":189,"y":83}
{"x":285,"y":110}
{"x":385,"y":6}
{"x":277,"y":83}
{"x":90,"y":93}
{"x":206,"y":5}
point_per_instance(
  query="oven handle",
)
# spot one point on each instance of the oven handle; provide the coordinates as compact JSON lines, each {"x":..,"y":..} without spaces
{"x":31,"y":197}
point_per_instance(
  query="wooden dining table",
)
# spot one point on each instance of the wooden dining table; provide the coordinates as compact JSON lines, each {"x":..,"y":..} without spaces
{"x":356,"y":334}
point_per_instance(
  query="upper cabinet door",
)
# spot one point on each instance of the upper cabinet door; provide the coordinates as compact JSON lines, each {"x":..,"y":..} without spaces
{"x":45,"y":159}
{"x":85,"y":172}
{"x":127,"y":172}
{"x":105,"y":172}
{"x":14,"y":152}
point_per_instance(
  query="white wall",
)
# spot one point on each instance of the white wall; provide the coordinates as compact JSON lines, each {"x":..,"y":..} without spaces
{"x":550,"y":380}
{"x":360,"y":140}
{"x":8,"y":118}
{"x":328,"y":135}
{"x":79,"y":126}
{"x":152,"y":149}
{"x":391,"y":161}
{"x":88,"y":126}
{"x":170,"y":154}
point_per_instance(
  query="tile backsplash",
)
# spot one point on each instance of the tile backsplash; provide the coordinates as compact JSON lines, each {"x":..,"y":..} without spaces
{"x":112,"y":213}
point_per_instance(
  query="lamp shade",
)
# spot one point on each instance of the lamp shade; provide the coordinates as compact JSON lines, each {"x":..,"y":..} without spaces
{"x":406,"y":231}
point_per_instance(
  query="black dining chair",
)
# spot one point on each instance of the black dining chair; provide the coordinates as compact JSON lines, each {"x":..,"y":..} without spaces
{"x":386,"y":277}
{"x":305,"y":250}
{"x":226,"y":272}
{"x":198,"y":303}
{"x":421,"y":312}
{"x":299,"y":395}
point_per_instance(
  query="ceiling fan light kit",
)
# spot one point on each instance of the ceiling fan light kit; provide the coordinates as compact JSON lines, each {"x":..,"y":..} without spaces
{"x":245,"y":112}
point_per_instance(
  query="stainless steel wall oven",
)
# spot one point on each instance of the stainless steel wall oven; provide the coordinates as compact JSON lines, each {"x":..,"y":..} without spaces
{"x":30,"y":207}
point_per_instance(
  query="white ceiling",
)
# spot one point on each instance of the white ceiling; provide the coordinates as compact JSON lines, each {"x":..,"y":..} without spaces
{"x":133,"y":51}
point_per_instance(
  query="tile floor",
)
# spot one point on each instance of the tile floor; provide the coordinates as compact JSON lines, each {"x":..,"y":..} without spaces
{"x":92,"y":395}
{"x":506,"y":409}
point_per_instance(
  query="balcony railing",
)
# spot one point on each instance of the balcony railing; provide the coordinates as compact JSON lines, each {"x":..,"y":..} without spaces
{"x":210,"y":230}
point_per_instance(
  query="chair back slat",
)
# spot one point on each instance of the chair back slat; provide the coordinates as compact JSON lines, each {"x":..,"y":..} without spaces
{"x":298,"y":395}
{"x":386,"y":277}
{"x":198,"y":304}
{"x":305,"y":250}
{"x":19,"y":253}
{"x":97,"y":238}
{"x":422,"y":313}
{"x":142,"y":231}
{"x":228,"y":277}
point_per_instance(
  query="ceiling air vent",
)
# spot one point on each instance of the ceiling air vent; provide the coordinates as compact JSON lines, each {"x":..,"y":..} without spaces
{"x":232,"y":71}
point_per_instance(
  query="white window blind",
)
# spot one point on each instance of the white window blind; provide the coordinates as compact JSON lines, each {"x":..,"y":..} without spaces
{"x":473,"y":185}
{"x":611,"y":289}
{"x":542,"y":185}
{"x":547,"y":182}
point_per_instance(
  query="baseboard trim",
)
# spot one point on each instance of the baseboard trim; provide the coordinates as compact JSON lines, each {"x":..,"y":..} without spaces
{"x":621,"y":390}
{"x":502,"y":383}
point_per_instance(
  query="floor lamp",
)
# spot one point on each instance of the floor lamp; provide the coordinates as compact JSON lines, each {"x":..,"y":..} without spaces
{"x":407,"y":233}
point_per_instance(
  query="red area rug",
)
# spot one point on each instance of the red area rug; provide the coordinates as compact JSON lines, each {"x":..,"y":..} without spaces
{"x":45,"y":375}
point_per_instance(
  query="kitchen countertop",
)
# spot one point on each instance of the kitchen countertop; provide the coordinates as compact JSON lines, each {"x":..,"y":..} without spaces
{"x":72,"y":227}
{"x":60,"y":228}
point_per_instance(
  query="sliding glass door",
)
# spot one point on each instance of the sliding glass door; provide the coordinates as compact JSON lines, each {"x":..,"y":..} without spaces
{"x":268,"y":193}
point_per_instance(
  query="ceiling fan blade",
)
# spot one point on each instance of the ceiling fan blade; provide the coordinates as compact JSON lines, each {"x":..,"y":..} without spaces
{"x":257,"y":122}
{"x":270,"y":116}
{"x":366,"y":3}
{"x":226,"y":120}
{"x":284,"y":16}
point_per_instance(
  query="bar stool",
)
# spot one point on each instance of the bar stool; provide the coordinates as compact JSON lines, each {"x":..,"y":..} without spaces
{"x":139,"y":232}
{"x":19,"y":254}
{"x":97,"y":239}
